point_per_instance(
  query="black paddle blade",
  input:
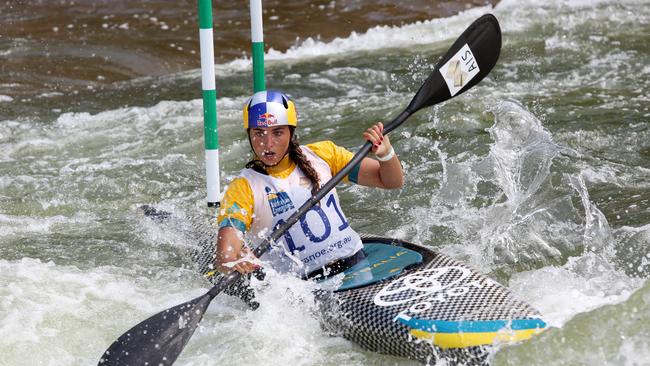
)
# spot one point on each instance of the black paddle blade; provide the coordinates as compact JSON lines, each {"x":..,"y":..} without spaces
{"x":160,"y":339}
{"x":467,"y":62}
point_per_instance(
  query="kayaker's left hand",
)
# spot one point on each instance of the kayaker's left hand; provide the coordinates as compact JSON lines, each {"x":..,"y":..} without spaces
{"x":380,"y":144}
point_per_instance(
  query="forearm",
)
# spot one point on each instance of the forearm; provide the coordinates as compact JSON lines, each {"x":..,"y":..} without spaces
{"x":232,"y":254}
{"x":386,"y":171}
{"x":228,"y":249}
{"x":390,"y":173}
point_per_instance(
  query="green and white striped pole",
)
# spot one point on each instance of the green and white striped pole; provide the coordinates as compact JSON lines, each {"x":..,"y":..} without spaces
{"x":257,"y":36}
{"x":209,"y":103}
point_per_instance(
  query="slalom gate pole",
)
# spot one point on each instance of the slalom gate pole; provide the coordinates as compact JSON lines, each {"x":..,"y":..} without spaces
{"x":209,"y":103}
{"x":257,"y":38}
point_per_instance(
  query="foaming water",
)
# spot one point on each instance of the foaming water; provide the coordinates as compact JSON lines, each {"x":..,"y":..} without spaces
{"x":56,"y":315}
{"x":285,"y":326}
{"x":408,"y":36}
{"x":609,"y":335}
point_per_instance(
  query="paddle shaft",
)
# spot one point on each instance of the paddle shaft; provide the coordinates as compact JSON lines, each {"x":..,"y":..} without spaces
{"x":231,"y":278}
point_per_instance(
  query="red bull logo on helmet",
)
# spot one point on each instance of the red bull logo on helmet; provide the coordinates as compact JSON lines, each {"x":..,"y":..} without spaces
{"x":269,"y":108}
{"x":266,"y":120}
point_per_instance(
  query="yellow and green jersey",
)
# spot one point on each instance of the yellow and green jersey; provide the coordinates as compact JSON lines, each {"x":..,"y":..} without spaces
{"x":237,"y":205}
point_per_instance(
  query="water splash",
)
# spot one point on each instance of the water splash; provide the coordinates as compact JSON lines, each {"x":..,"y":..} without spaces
{"x":520,"y":206}
{"x":533,"y":216}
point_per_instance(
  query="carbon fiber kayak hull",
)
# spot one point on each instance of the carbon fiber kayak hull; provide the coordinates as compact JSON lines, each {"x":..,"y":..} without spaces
{"x":436,"y":309}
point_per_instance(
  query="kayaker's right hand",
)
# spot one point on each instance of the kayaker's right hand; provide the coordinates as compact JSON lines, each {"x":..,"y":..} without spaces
{"x":233,"y":254}
{"x":246,"y":263}
{"x":244,"y":266}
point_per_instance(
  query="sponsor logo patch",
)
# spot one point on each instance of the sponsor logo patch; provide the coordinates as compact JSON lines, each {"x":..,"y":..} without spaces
{"x":266,"y":120}
{"x":279,"y":202}
{"x":459,"y":70}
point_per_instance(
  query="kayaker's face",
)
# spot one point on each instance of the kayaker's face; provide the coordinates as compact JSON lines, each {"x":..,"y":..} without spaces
{"x":270,"y":144}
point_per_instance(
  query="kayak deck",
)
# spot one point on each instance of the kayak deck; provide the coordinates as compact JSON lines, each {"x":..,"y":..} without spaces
{"x":383,"y":261}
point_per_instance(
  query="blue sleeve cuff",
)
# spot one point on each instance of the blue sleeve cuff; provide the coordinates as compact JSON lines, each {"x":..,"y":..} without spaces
{"x":237,"y":224}
{"x":354,"y":174}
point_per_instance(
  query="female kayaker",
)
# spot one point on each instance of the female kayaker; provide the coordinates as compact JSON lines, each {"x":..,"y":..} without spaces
{"x":281,"y":177}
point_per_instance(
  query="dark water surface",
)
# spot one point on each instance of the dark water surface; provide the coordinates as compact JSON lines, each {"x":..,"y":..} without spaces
{"x":77,"y":48}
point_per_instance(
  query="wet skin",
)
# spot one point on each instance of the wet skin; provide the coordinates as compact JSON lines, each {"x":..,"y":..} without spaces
{"x":270,"y":144}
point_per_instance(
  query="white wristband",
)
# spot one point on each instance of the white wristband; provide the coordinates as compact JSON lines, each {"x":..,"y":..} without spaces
{"x":388,"y":156}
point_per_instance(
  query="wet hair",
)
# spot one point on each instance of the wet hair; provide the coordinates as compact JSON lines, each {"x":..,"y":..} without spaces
{"x":295,"y":153}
